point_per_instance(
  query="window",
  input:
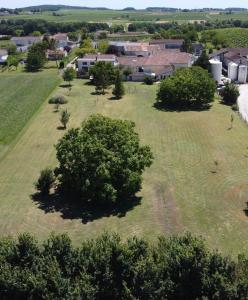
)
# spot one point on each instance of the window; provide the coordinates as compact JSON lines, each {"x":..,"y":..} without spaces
{"x":84,"y":63}
{"x":92,"y":63}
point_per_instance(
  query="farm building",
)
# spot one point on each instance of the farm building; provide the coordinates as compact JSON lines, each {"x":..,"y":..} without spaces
{"x":25,"y":41}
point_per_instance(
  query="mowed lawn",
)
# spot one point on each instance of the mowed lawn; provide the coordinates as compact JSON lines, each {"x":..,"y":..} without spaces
{"x":21,"y":94}
{"x":181,"y":191}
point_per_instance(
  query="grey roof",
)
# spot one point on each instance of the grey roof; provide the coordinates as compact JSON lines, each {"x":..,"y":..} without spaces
{"x":3,"y":52}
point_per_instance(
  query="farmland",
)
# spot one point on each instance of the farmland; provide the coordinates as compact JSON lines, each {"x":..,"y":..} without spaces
{"x":112,"y":16}
{"x":21,"y":96}
{"x":181,"y":191}
{"x":232,"y":37}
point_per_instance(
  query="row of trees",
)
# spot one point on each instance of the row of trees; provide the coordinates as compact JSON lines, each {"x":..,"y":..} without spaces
{"x":177,"y":267}
{"x":26,"y":27}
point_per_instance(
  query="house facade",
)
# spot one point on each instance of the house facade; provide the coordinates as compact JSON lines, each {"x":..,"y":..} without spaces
{"x":88,"y":61}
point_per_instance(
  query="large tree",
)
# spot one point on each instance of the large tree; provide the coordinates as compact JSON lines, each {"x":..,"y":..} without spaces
{"x":36,"y":58}
{"x":69,"y":74}
{"x":103,"y":75}
{"x":103,"y":160}
{"x":187,"y":87}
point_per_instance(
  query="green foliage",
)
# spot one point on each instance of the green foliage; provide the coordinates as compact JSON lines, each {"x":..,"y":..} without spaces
{"x":186,"y":88}
{"x":65,"y":117}
{"x":203,"y":61}
{"x":118,"y":90}
{"x":36,"y":58}
{"x":103,"y":75}
{"x":11,"y":48}
{"x":187,"y":45}
{"x":177,"y":267}
{"x":13,"y":60}
{"x":46,"y":181}
{"x":103,"y":46}
{"x":230,"y":94}
{"x":69,"y":74}
{"x":59,"y":99}
{"x":86,"y":47}
{"x":148,"y":80}
{"x":102,"y":161}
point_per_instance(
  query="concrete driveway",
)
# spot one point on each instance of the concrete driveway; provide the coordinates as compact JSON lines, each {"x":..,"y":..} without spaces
{"x":243,"y":101}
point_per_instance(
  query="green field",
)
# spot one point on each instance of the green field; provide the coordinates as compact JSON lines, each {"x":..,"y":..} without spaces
{"x":73,"y":15}
{"x":180,"y":190}
{"x":20,"y":97}
{"x":232,"y":37}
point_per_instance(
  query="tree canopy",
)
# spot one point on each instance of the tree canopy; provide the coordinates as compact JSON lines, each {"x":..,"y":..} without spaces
{"x":187,"y":87}
{"x":103,"y":75}
{"x":102,"y":161}
{"x":36,"y":58}
{"x":177,"y":267}
{"x":230,"y":93}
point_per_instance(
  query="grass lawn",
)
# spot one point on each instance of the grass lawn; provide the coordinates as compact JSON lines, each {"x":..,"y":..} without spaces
{"x":21,"y":94}
{"x":180,"y":192}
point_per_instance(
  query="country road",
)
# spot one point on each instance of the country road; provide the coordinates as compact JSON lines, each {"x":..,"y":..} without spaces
{"x":243,"y":101}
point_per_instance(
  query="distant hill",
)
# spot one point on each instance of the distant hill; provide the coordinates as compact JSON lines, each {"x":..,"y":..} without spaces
{"x":47,"y":7}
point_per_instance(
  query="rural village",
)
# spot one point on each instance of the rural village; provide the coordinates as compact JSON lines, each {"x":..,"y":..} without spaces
{"x":123,"y":153}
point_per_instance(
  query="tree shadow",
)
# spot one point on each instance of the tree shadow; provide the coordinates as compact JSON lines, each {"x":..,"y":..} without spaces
{"x":170,"y":108}
{"x":65,"y":85}
{"x":61,"y":128}
{"x":113,"y":98}
{"x":72,"y":207}
{"x":246,"y":209}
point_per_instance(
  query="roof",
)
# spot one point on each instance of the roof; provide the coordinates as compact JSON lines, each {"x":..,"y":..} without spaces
{"x":3,"y":52}
{"x":232,"y":54}
{"x":26,"y":38}
{"x":162,"y":58}
{"x":98,"y":57}
{"x":167,"y":41}
{"x":60,"y":37}
{"x":55,"y":52}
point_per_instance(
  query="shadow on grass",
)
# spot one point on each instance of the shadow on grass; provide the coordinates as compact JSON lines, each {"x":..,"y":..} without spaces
{"x":170,"y":108}
{"x":113,"y":98}
{"x":65,"y":85}
{"x":246,"y":209}
{"x":61,"y":128}
{"x":70,"y":207}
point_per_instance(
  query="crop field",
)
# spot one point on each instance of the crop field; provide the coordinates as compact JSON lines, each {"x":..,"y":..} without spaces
{"x":184,"y":190}
{"x":233,"y":37}
{"x":21,"y":94}
{"x":111,"y":16}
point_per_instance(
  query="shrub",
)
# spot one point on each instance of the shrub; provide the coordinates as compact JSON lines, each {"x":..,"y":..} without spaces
{"x":64,"y":119}
{"x":46,"y":181}
{"x":148,"y":80}
{"x":59,"y":99}
{"x":230,"y":93}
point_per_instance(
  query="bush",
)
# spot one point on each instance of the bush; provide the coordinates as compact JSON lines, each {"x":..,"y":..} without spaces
{"x":58,"y":100}
{"x":61,"y":64}
{"x":102,"y":161}
{"x":148,"y":80}
{"x":230,"y":94}
{"x":46,"y":181}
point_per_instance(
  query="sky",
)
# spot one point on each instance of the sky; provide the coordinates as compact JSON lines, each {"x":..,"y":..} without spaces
{"x":125,"y":3}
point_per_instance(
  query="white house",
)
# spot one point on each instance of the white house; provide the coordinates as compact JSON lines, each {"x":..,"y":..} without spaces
{"x":85,"y":63}
{"x":3,"y":56}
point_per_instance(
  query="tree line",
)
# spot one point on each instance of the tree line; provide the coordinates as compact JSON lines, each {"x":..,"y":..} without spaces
{"x":26,"y":27}
{"x":176,"y":267}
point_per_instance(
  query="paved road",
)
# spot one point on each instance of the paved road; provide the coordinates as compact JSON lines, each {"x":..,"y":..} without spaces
{"x":243,"y":101}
